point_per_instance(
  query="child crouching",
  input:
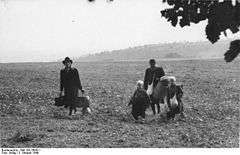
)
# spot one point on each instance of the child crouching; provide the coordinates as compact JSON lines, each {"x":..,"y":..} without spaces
{"x":140,"y":101}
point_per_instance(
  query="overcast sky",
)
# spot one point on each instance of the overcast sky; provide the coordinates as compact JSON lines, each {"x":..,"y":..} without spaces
{"x":45,"y":30}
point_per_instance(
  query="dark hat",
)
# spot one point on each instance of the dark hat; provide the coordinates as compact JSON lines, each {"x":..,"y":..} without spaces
{"x":152,"y":61}
{"x":67,"y":59}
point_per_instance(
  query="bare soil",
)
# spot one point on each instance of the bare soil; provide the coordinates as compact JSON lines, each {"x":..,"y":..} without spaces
{"x":29,"y":118}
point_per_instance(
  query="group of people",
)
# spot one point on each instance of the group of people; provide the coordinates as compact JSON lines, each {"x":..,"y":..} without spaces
{"x":70,"y":84}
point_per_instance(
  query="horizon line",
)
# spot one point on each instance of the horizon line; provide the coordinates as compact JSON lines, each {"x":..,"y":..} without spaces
{"x":113,"y":50}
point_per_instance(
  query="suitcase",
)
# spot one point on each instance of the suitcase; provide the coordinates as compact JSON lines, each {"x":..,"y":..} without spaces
{"x":77,"y":102}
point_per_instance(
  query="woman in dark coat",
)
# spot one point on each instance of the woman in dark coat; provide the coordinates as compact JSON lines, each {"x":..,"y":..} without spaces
{"x":69,"y":82}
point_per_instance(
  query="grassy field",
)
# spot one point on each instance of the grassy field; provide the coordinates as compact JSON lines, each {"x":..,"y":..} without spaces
{"x":29,"y":119}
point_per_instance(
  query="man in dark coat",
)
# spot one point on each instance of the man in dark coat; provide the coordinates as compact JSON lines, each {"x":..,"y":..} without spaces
{"x":153,"y":74}
{"x":70,"y":83}
{"x":157,"y":72}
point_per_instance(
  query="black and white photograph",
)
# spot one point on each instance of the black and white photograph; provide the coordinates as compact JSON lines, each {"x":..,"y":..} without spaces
{"x":145,"y":74}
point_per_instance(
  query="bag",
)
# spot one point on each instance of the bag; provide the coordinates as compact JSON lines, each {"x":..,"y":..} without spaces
{"x":150,"y":89}
{"x":173,"y":101}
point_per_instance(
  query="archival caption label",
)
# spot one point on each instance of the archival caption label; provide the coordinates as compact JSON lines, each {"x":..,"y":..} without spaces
{"x":8,"y":151}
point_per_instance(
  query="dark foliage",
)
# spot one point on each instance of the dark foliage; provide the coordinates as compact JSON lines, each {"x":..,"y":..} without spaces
{"x":220,"y":15}
{"x":233,"y":51}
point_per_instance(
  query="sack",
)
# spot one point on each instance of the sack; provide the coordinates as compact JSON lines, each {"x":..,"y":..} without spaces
{"x":150,"y":89}
{"x":175,"y":106}
{"x":173,"y":101}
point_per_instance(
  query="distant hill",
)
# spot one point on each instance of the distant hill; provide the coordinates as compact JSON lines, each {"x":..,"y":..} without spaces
{"x":186,"y":50}
{"x":173,"y":56}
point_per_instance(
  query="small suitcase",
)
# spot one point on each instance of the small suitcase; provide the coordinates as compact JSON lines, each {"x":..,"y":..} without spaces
{"x":59,"y":101}
{"x":77,"y":102}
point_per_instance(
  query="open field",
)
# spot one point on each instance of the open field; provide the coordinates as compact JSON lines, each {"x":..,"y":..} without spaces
{"x":211,"y":100}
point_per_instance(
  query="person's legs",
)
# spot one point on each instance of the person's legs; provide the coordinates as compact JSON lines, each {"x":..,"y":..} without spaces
{"x":70,"y":110}
{"x":135,"y":115}
{"x":153,"y":108}
{"x":152,"y":104}
{"x":161,"y":101}
{"x":75,"y":110}
{"x":136,"y":111}
{"x":67,"y":98}
{"x":142,"y":109}
{"x":181,"y":108}
{"x":158,"y":108}
{"x":142,"y":114}
{"x":65,"y":106}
